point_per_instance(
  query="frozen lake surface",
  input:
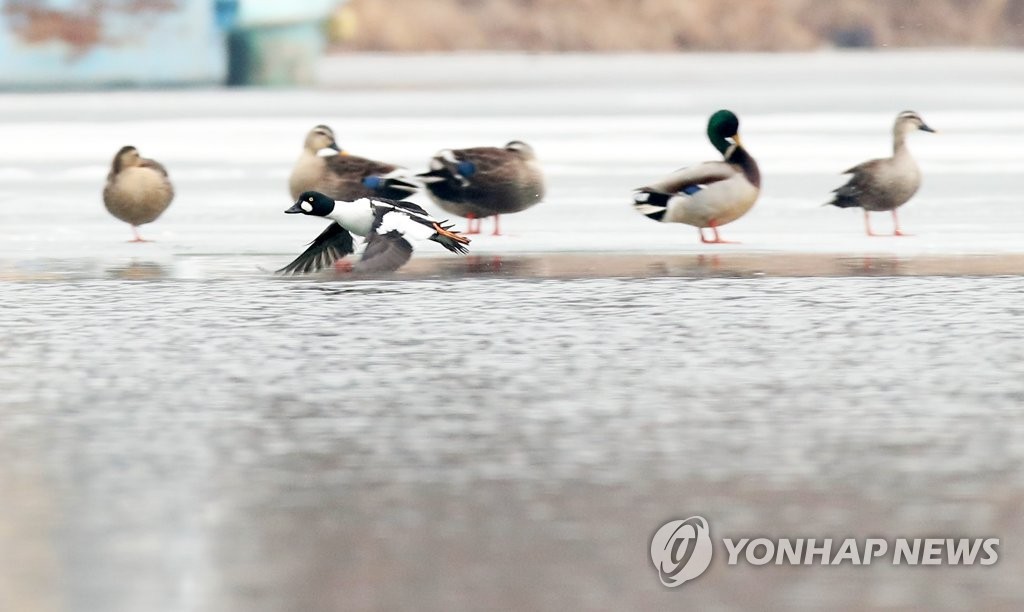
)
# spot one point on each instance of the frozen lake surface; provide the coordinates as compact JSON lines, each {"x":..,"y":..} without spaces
{"x":180,"y":430}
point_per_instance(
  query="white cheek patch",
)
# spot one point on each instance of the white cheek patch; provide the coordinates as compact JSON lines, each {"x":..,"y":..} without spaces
{"x":327,"y":152}
{"x":306,"y":206}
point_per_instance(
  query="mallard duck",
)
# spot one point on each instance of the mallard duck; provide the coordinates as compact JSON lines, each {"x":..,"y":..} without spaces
{"x":137,"y":190}
{"x":885,"y":184}
{"x":485,"y":182}
{"x":711,"y":194}
{"x":384,"y":223}
{"x":323,"y":166}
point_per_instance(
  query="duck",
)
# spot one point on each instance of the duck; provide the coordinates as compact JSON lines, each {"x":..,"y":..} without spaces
{"x":383,"y":222}
{"x":481,"y":182}
{"x":138,"y":190}
{"x":880,"y":185}
{"x":710,"y":194}
{"x":325,"y":167}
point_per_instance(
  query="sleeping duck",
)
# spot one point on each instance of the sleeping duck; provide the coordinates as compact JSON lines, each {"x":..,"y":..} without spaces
{"x":885,"y":184}
{"x":384,"y":223}
{"x":711,"y":194}
{"x":137,"y":190}
{"x":485,"y":182}
{"x":323,"y":166}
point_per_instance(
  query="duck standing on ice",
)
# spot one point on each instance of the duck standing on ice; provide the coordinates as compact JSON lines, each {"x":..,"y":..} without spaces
{"x":711,"y":194}
{"x":485,"y":182}
{"x":885,"y":184}
{"x":137,"y":190}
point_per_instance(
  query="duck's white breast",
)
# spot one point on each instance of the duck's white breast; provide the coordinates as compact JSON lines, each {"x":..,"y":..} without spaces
{"x":355,"y":216}
{"x":722,"y":202}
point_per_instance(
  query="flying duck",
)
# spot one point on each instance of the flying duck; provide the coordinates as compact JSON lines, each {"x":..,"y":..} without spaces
{"x":323,"y":166}
{"x":711,"y":194}
{"x":137,"y":190}
{"x":384,"y":223}
{"x":485,"y":182}
{"x":885,"y":184}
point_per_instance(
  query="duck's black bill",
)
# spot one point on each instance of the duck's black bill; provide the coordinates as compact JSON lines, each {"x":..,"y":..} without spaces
{"x":295,"y":209}
{"x":925,"y":128}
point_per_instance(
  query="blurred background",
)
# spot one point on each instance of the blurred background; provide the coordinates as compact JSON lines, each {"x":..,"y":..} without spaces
{"x":52,"y":43}
{"x":667,"y":25}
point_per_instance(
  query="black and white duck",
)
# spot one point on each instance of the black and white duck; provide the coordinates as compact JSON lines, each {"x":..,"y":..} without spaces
{"x":384,"y":223}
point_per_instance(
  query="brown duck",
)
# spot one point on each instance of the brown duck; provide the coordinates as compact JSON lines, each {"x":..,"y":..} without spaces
{"x":138,"y":189}
{"x":885,"y":184}
{"x":485,"y":182}
{"x":324,"y":167}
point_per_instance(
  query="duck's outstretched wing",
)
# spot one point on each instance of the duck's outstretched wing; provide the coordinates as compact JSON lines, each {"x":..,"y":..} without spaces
{"x":382,"y":205}
{"x":332,"y":244}
{"x":385,"y":252}
{"x":408,"y":218}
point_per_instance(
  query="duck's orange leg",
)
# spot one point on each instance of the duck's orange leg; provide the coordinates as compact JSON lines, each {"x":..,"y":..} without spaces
{"x":718,"y":239}
{"x":896,"y":225}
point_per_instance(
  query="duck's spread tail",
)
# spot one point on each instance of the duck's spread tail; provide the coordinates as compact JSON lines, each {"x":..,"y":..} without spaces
{"x":451,"y":240}
{"x":845,"y":197}
{"x":651,"y":204}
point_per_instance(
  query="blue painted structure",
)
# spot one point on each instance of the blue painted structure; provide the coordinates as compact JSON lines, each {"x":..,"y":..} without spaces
{"x":80,"y":43}
{"x":277,"y":43}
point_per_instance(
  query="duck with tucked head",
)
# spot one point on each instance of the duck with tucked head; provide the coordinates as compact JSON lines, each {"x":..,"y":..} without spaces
{"x":885,"y":184}
{"x":325,"y":167}
{"x":485,"y":182}
{"x":711,"y":194}
{"x":137,"y":190}
{"x":384,"y":223}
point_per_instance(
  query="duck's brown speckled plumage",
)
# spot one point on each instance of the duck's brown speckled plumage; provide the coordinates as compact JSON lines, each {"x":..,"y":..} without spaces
{"x":504,"y":180}
{"x":888,"y":183}
{"x":340,"y":176}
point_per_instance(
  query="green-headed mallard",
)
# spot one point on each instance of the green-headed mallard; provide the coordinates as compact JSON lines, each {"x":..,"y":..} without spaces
{"x":323,"y":166}
{"x":885,"y":184}
{"x":137,"y":190}
{"x":711,"y":194}
{"x":485,"y":182}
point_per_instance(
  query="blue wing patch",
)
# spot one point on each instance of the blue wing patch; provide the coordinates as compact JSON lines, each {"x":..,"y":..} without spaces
{"x":691,"y":189}
{"x":466,"y":168}
{"x":373,"y":182}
